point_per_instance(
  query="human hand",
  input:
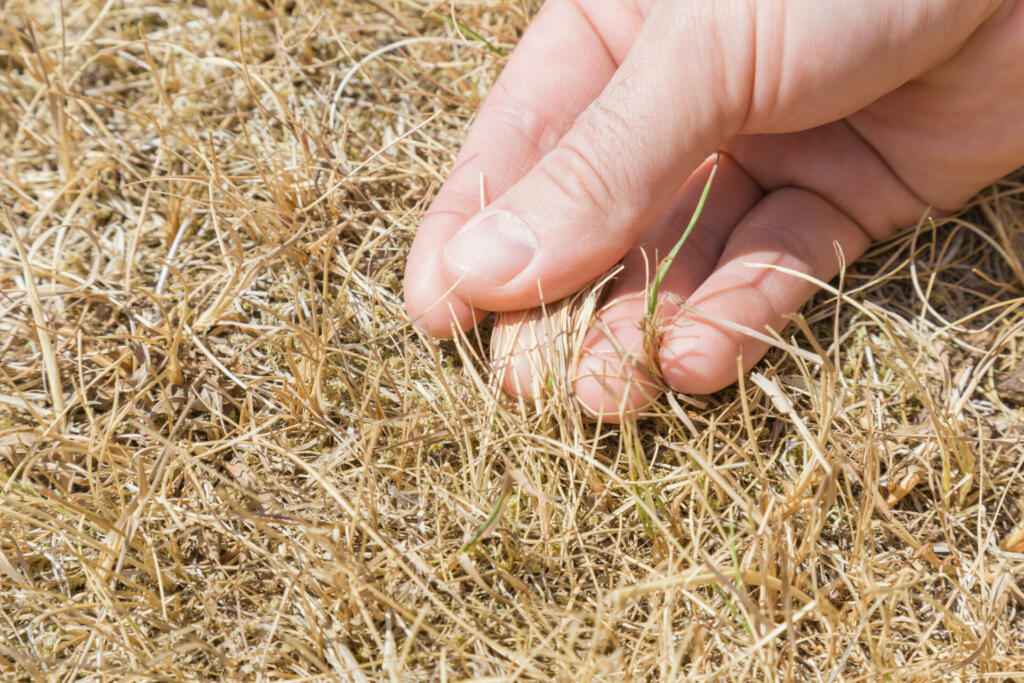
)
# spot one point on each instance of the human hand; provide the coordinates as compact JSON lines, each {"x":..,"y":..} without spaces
{"x":839,"y":122}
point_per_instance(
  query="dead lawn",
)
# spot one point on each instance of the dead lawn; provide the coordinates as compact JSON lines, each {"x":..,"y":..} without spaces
{"x":225,"y":454}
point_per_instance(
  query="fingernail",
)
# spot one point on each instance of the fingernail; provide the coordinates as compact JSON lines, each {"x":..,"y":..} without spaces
{"x":494,"y":246}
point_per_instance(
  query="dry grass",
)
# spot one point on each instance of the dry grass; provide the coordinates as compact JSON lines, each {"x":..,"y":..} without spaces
{"x":224,"y":454}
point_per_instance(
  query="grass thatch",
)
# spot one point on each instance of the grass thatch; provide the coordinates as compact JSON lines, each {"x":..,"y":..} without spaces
{"x":225,"y":454}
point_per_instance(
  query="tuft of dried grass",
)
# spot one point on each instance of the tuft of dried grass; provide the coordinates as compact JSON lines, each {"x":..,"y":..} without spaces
{"x":224,"y":454}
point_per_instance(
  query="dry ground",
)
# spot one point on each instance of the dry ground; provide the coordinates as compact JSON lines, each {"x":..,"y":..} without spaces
{"x":224,"y":454}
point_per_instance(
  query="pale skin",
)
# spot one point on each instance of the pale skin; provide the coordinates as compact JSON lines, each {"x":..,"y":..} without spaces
{"x":838,"y":123}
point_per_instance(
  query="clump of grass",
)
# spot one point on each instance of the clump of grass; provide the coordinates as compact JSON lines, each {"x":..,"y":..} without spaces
{"x":258,"y":471}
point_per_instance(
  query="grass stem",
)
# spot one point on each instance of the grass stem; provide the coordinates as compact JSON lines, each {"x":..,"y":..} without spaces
{"x":666,"y":263}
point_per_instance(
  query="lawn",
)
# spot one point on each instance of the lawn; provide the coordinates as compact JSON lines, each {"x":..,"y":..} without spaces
{"x":225,"y":453}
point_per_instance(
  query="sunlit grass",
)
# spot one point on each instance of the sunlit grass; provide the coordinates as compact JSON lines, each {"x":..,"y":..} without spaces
{"x":234,"y":459}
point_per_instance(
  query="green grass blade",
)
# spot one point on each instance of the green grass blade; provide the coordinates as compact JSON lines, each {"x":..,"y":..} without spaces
{"x":457,"y":24}
{"x":666,"y":263}
{"x":469,"y":32}
{"x":506,"y":489}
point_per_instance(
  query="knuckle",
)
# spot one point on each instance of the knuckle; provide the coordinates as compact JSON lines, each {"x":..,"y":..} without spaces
{"x":618,"y":111}
{"x":523,"y":122}
{"x":578,"y":176}
{"x":589,"y":161}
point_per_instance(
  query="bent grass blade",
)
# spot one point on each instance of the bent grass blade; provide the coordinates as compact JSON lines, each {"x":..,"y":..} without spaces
{"x":506,"y":489}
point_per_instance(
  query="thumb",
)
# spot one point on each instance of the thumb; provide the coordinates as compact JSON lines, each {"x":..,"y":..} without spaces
{"x":578,"y":211}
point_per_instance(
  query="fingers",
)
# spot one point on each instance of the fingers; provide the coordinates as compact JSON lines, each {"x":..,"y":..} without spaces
{"x":681,"y":91}
{"x":613,"y":378}
{"x":523,"y":346}
{"x":613,"y":362}
{"x":791,"y":228}
{"x":561,"y":64}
